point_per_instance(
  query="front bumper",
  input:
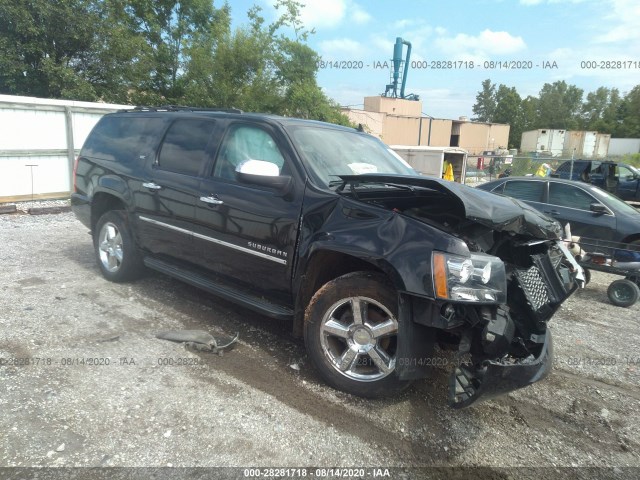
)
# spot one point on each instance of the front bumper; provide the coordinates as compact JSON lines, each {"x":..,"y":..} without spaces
{"x":492,"y":378}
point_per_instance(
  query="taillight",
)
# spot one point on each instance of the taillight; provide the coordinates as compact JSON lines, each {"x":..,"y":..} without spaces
{"x":75,"y":169}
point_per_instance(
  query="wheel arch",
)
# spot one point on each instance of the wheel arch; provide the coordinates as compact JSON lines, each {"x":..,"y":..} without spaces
{"x":326,"y":265}
{"x":103,"y":202}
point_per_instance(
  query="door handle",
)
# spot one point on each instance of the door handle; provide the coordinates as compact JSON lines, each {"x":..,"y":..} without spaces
{"x":151,"y":186}
{"x":212,"y":200}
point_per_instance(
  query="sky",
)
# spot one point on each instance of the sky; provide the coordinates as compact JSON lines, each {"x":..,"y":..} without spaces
{"x":519,"y":43}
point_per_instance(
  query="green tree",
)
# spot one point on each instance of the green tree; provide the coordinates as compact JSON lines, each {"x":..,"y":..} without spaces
{"x":154,"y":52}
{"x":485,"y":105}
{"x":629,"y":113}
{"x":258,"y":68}
{"x":41,"y":53}
{"x":529,"y":113}
{"x":509,"y":110}
{"x":559,"y":106}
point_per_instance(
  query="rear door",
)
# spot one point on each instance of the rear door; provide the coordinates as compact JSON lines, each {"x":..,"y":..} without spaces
{"x":628,"y":183}
{"x":572,"y":204}
{"x":247,"y":233}
{"x":168,"y":195}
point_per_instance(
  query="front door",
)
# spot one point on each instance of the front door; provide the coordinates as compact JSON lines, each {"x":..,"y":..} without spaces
{"x":571,"y":204}
{"x":247,"y":233}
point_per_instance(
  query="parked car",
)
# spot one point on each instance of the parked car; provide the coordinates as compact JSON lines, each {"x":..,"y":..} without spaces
{"x":591,"y":211}
{"x":618,"y":178}
{"x":324,"y":226}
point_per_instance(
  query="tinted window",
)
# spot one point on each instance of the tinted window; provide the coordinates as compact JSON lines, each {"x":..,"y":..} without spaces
{"x":124,"y":138}
{"x":185,"y":145}
{"x":523,"y":190}
{"x":570,"y":196}
{"x":245,"y":142}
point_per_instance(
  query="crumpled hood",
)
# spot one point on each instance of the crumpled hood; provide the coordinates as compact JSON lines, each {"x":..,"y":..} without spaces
{"x":494,"y":211}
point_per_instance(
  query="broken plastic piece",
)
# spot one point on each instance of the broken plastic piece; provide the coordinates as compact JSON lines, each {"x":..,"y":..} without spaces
{"x":198,"y":340}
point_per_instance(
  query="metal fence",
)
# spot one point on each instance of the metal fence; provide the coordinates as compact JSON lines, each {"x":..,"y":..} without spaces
{"x":520,"y":166}
{"x":39,"y":141}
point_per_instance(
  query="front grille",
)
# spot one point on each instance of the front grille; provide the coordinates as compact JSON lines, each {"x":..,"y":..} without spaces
{"x":535,"y":289}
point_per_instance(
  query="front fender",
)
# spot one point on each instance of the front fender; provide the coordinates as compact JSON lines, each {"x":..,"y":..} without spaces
{"x":398,"y":245}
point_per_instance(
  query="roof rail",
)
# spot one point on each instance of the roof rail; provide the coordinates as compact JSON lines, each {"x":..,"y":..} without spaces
{"x":180,"y":108}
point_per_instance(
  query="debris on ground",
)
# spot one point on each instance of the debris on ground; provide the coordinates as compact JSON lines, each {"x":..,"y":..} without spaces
{"x":198,"y":340}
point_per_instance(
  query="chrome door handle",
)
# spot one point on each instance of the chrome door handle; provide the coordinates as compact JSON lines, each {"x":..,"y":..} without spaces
{"x":151,"y":186}
{"x":211,"y":199}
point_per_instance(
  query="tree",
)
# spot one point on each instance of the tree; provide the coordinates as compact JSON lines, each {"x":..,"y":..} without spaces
{"x":155,"y":52}
{"x":485,"y":105}
{"x":40,"y":54}
{"x":559,"y":106}
{"x":629,"y":113}
{"x":509,"y":110}
{"x":257,"y":68}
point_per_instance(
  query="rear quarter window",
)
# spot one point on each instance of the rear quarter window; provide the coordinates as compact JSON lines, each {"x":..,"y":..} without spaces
{"x":124,"y":139}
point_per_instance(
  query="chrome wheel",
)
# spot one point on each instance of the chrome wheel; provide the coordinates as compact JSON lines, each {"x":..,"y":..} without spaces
{"x":358,"y":336}
{"x":110,"y":245}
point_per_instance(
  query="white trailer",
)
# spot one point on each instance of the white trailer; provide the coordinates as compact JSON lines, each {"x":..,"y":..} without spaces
{"x":548,"y":141}
{"x":430,"y":160}
{"x":39,"y":141}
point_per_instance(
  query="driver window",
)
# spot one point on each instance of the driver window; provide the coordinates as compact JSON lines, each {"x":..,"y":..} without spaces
{"x":623,"y":172}
{"x":242,"y":143}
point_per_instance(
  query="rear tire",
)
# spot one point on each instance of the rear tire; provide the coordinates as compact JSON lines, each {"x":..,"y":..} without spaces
{"x":116,"y":252}
{"x":623,"y":293}
{"x":351,"y":334}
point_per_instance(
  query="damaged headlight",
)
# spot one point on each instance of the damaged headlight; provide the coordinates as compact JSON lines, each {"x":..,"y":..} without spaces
{"x":479,"y":278}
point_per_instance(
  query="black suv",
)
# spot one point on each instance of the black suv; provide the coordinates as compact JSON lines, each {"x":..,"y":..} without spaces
{"x":325,"y":226}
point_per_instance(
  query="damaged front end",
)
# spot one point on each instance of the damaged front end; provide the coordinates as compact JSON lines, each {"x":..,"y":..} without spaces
{"x":505,"y":344}
{"x":495,"y":285}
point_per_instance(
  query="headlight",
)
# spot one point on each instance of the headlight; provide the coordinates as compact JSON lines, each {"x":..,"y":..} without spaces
{"x":479,"y":278}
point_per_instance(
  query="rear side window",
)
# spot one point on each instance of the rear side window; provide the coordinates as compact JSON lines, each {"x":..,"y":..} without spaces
{"x":185,"y":146}
{"x":531,"y":191}
{"x":124,"y":138}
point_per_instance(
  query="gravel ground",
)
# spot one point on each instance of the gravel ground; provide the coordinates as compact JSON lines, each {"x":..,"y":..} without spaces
{"x":262,"y":404}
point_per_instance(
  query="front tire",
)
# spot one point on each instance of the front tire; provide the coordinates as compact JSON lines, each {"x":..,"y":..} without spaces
{"x":116,"y":252}
{"x":351,"y":334}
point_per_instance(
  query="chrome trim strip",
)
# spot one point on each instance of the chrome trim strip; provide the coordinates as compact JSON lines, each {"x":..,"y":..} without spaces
{"x":213,"y":240}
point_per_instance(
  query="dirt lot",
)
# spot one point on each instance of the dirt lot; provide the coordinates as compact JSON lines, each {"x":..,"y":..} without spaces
{"x":262,"y":404}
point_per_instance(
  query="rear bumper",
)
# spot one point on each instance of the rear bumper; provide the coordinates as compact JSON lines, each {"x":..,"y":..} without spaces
{"x":494,"y":377}
{"x":81,"y":207}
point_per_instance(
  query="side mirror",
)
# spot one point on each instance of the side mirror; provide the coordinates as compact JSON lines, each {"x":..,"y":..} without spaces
{"x":598,"y":208}
{"x":264,"y":174}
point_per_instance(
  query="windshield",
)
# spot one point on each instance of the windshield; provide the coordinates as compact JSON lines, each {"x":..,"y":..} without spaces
{"x":613,"y":201}
{"x":329,"y":153}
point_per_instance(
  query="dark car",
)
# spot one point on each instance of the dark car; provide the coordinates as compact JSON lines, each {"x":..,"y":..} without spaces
{"x":591,"y":211}
{"x":326,"y":227}
{"x":618,"y":178}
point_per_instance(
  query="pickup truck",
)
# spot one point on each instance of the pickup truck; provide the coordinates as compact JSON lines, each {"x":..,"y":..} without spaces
{"x":327,"y":228}
{"x":618,"y":178}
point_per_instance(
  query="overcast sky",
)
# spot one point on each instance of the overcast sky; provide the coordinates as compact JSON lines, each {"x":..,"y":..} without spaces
{"x":533,"y":32}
